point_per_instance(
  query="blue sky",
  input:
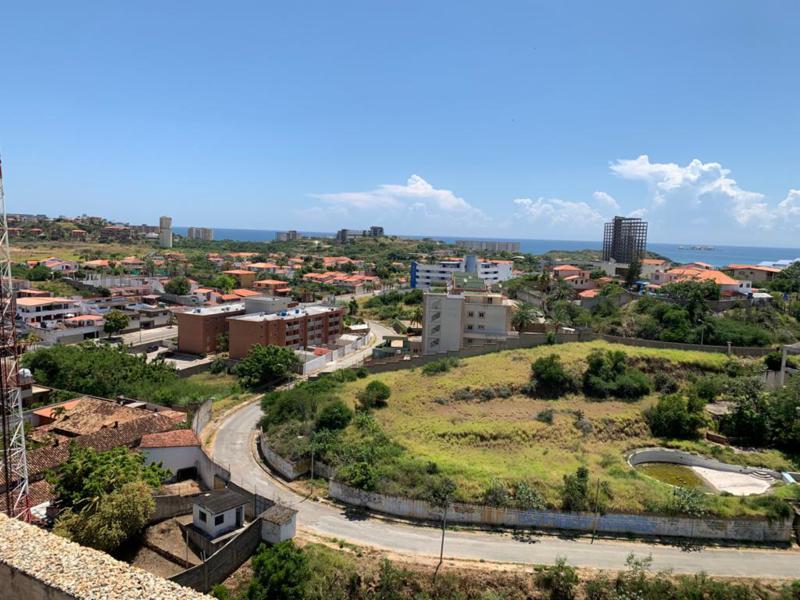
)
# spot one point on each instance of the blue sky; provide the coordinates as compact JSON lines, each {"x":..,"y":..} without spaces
{"x":504,"y":119}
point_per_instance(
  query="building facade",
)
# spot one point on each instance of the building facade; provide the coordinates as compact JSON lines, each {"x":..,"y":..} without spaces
{"x":468,"y":319}
{"x":165,"y":232}
{"x":293,"y":328}
{"x":205,"y":234}
{"x":425,"y":276}
{"x":488,"y":245}
{"x":288,"y":236}
{"x":625,"y":240}
{"x":199,"y":329}
{"x":345,"y":235}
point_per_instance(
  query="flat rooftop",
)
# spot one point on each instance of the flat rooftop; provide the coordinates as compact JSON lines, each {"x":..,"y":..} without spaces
{"x":215,"y":310}
{"x":287,"y":315}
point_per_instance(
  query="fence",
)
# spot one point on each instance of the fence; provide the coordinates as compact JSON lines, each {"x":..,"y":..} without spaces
{"x":740,"y":529}
{"x":642,"y":343}
{"x":315,"y":364}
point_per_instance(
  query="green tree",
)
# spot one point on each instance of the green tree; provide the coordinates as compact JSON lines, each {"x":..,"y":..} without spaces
{"x":441,"y":496}
{"x":280,"y":572}
{"x":113,"y":519}
{"x":180,"y":286}
{"x":676,"y":416}
{"x":335,"y":416}
{"x":88,"y":475}
{"x":224,"y":282}
{"x":267,"y":365}
{"x":550,"y":378}
{"x":575,"y":494}
{"x":633,"y":273}
{"x":524,"y":316}
{"x":374,"y":395}
{"x":352,"y":307}
{"x":115,"y":321}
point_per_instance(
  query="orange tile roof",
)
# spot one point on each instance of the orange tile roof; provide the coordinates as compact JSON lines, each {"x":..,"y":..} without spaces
{"x":238,"y":272}
{"x":718,"y":277}
{"x":654,"y":261}
{"x":754,"y":268}
{"x":180,"y":438}
{"x":589,"y":293}
{"x":245,"y":293}
{"x":83,"y":318}
{"x":47,"y":411}
{"x":269,"y":282}
{"x":42,"y":301}
{"x":565,"y":268}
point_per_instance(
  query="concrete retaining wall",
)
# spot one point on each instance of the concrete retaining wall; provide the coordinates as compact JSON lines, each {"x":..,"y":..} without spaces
{"x":223,"y":562}
{"x":289,"y":470}
{"x":171,"y":506}
{"x":679,"y":457}
{"x":16,"y":584}
{"x":752,"y":530}
{"x":202,"y":417}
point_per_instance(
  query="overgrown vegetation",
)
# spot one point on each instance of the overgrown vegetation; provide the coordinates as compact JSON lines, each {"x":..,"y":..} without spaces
{"x":267,"y":365}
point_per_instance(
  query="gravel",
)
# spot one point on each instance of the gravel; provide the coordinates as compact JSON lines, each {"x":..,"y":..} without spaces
{"x":82,"y":572}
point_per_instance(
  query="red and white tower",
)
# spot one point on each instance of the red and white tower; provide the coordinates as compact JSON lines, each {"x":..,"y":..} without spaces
{"x":14,"y":466}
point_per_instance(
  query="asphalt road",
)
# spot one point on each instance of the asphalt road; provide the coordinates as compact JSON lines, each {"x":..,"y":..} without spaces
{"x":149,"y":336}
{"x":232,"y":449}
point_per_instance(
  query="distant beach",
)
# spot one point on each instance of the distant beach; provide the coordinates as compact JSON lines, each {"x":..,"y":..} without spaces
{"x":682,"y":253}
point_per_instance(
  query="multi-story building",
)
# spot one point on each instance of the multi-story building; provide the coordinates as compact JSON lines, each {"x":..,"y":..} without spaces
{"x":165,"y":232}
{"x":288,"y":236}
{"x":345,"y":235}
{"x":488,"y":245}
{"x":205,"y":234}
{"x":244,"y":278}
{"x":199,"y":329}
{"x":467,"y":318}
{"x":39,"y":311}
{"x":438,"y":274}
{"x":293,"y":328}
{"x":625,"y":240}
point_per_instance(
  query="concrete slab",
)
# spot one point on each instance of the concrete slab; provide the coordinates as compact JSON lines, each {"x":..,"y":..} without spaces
{"x":738,"y":484}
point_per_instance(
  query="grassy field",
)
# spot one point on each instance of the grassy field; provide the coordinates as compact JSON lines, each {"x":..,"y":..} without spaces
{"x":67,"y":250}
{"x":477,"y":442}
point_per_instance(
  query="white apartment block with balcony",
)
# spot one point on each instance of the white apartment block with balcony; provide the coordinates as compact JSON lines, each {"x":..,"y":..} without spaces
{"x":425,"y":276}
{"x":453,"y":322}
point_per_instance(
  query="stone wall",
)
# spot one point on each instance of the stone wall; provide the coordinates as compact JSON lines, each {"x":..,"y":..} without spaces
{"x":750,"y":530}
{"x":223,"y":562}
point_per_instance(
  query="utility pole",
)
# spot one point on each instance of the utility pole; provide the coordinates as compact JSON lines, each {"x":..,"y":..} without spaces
{"x":14,"y":457}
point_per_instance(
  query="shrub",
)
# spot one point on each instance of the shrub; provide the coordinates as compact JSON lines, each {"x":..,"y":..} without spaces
{"x":374,"y":395}
{"x":266,"y":365}
{"x":361,"y":372}
{"x":665,"y":383}
{"x":279,"y":571}
{"x":335,"y":416}
{"x":709,"y":387}
{"x":496,"y":494}
{"x":676,"y":416}
{"x":218,"y":365}
{"x":526,"y":497}
{"x":545,"y":416}
{"x":440,"y":366}
{"x":550,"y":377}
{"x":608,"y":374}
{"x":560,"y":579}
{"x":575,"y":494}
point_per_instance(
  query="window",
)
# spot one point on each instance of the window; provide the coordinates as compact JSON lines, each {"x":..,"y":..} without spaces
{"x":470,"y":314}
{"x":481,"y":315}
{"x":219,"y":519}
{"x":202,"y":516}
{"x":480,"y":326}
{"x":469,"y":327}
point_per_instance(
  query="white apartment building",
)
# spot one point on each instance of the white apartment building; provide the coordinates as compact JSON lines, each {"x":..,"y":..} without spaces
{"x":438,"y":274}
{"x":452,"y":322}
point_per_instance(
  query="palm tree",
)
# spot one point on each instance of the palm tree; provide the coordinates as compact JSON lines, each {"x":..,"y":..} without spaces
{"x":417,"y":316}
{"x":524,"y":317}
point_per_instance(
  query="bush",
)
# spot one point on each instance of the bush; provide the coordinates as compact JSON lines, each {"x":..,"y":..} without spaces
{"x":545,"y":416}
{"x":560,"y":579}
{"x":219,"y":365}
{"x":440,"y":366}
{"x":550,"y":378}
{"x":526,"y":497}
{"x":575,"y":494}
{"x":266,"y":365}
{"x":279,"y":572}
{"x":335,"y":416}
{"x":374,"y":395}
{"x":665,"y":383}
{"x":608,"y":374}
{"x":676,"y":416}
{"x":709,"y":387}
{"x":496,"y":495}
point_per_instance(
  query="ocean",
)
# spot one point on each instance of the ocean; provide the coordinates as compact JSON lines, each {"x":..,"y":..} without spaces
{"x":715,"y":255}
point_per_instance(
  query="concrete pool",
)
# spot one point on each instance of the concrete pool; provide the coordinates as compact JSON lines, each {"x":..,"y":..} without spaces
{"x":684,"y":469}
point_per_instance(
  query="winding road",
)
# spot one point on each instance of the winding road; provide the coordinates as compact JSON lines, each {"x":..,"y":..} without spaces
{"x":233,"y":449}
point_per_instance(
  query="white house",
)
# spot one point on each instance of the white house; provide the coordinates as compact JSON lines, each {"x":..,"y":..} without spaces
{"x":219,"y":512}
{"x":424,"y":276}
{"x":178,"y":451}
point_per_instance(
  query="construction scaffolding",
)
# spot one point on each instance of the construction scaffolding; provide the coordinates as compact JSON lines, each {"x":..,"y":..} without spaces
{"x":14,"y":458}
{"x":625,"y":240}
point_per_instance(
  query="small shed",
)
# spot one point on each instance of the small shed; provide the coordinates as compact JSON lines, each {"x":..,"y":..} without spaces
{"x":278,"y":523}
{"x":219,"y":512}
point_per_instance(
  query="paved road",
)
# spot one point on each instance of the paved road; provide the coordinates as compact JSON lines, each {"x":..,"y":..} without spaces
{"x":232,"y":450}
{"x":149,"y":336}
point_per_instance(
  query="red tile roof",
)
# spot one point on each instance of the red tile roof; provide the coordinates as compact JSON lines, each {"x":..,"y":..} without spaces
{"x":170,"y":439}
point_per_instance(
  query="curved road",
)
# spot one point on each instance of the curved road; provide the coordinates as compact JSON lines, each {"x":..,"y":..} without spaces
{"x":232,"y":448}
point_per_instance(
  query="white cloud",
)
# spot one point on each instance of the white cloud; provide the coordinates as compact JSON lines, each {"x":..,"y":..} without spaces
{"x":697,"y":188}
{"x":562,"y":217}
{"x":606,"y":199}
{"x":401,"y":208}
{"x":788,"y":210}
